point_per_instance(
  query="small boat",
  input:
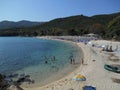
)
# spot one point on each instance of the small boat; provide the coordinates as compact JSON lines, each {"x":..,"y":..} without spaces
{"x":112,"y":68}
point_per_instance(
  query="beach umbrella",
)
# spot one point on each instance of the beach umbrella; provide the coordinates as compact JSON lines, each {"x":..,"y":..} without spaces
{"x":103,"y":46}
{"x":90,"y":43}
{"x":79,"y":77}
{"x":89,"y":88}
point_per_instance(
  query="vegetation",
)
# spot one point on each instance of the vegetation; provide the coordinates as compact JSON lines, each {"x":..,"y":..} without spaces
{"x":19,"y":24}
{"x":104,"y":25}
{"x":114,"y":28}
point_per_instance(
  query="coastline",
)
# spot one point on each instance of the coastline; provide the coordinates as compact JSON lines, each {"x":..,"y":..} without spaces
{"x":65,"y":77}
{"x":62,"y":73}
{"x":93,"y":71}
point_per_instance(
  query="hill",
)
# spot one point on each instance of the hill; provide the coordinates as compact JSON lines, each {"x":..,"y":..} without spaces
{"x":73,"y":25}
{"x":114,"y":28}
{"x":19,"y":24}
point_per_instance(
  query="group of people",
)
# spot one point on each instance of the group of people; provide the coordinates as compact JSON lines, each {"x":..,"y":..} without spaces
{"x":52,"y":59}
{"x":108,"y":48}
{"x":72,"y":61}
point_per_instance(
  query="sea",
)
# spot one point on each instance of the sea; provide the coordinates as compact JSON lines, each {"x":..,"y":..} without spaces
{"x":44,"y":60}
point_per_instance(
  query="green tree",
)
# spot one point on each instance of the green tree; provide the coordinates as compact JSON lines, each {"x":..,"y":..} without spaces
{"x":114,"y":28}
{"x":97,"y":28}
{"x":72,"y":32}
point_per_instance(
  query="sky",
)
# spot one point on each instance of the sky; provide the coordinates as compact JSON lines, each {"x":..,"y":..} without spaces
{"x":45,"y":10}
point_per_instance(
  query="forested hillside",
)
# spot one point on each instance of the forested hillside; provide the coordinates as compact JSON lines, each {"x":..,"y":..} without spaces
{"x":104,"y":25}
{"x":10,"y":24}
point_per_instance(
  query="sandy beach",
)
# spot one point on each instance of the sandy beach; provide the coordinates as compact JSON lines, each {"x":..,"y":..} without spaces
{"x":92,"y":68}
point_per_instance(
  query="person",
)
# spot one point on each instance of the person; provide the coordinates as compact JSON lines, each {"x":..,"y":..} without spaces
{"x":110,"y":49}
{"x":82,"y":61}
{"x":116,"y":48}
{"x":73,"y":61}
{"x":46,"y":62}
{"x":54,"y":58}
{"x":107,"y":48}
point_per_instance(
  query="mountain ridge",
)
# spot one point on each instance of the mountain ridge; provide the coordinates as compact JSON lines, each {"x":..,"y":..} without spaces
{"x":5,"y":24}
{"x":72,"y":25}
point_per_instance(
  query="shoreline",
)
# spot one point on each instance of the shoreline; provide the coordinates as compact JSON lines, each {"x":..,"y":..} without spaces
{"x":94,"y":72}
{"x":54,"y":79}
{"x":65,"y":77}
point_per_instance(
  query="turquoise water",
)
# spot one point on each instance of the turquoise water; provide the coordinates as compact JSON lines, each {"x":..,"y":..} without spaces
{"x":25,"y":55}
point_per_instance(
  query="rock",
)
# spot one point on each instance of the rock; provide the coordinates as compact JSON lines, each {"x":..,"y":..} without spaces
{"x":12,"y":75}
{"x":13,"y":87}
